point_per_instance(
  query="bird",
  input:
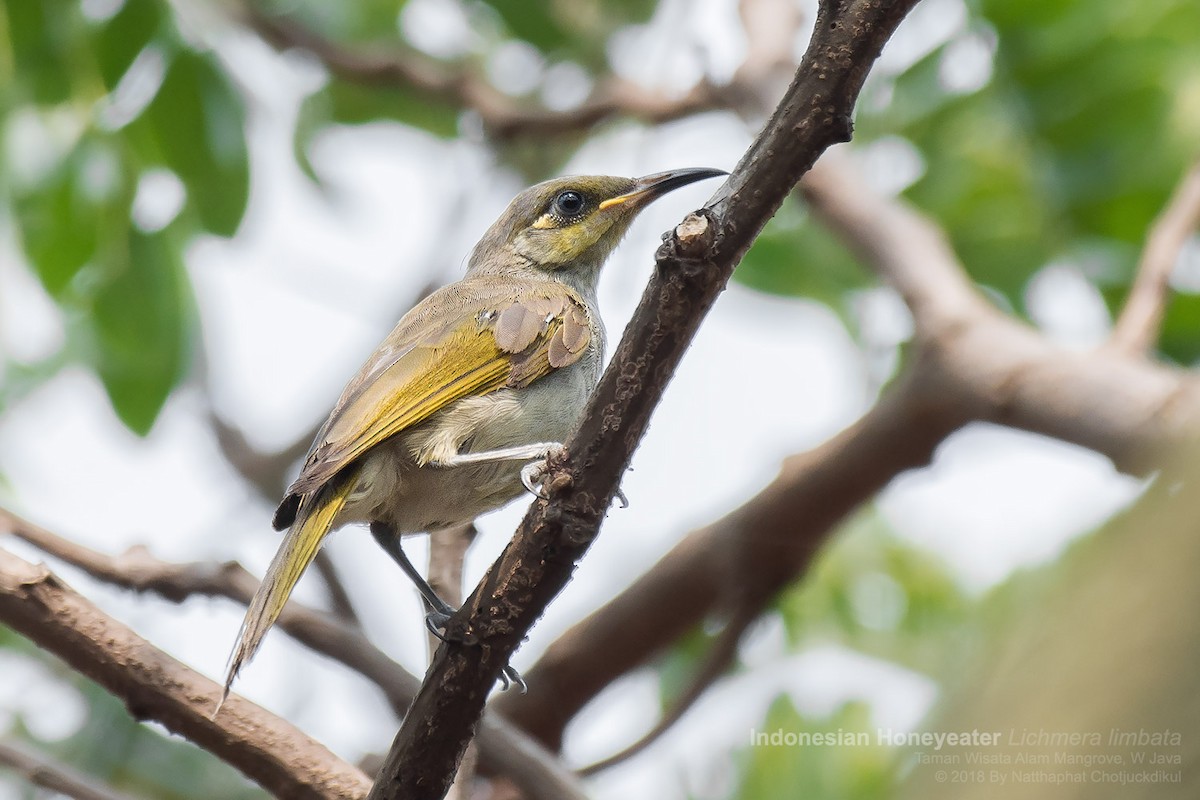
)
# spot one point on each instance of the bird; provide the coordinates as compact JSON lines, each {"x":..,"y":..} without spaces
{"x":458,"y":409}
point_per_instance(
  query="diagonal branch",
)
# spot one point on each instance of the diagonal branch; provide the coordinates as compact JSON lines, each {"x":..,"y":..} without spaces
{"x":502,"y":748}
{"x":694,"y":265}
{"x":1137,"y":327}
{"x":279,"y":757}
{"x":970,"y":363}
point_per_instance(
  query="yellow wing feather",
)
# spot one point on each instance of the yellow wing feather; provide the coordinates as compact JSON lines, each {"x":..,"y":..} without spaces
{"x":299,"y":548}
{"x":428,"y":362}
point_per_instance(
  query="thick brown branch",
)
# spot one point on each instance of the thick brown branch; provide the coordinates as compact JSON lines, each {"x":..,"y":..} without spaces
{"x":693,"y":267}
{"x":155,"y":686}
{"x":502,"y":749}
{"x":38,"y":770}
{"x":1137,"y":327}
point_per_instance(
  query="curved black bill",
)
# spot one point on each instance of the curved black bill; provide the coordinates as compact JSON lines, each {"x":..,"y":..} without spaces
{"x":649,"y":187}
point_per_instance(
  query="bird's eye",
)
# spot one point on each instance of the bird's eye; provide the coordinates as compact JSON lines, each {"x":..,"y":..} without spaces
{"x":568,"y":204}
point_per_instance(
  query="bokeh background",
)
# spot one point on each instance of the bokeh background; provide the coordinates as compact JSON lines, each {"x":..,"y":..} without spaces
{"x":202,"y":233}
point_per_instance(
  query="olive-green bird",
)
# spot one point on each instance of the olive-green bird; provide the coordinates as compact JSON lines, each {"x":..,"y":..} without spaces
{"x":483,"y":376}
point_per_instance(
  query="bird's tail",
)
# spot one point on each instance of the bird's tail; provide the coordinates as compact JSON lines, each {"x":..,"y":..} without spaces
{"x":300,"y":545}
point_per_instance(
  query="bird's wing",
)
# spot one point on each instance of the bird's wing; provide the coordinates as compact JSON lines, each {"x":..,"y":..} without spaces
{"x":479,"y":340}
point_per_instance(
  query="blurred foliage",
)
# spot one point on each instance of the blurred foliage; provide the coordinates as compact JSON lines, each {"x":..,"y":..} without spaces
{"x":93,"y":106}
{"x":1087,"y":115}
{"x":773,"y":771}
{"x":875,"y":593}
{"x":1059,"y":146}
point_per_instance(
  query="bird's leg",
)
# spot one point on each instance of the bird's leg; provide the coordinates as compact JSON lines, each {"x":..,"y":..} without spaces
{"x":531,"y":474}
{"x":440,"y":611}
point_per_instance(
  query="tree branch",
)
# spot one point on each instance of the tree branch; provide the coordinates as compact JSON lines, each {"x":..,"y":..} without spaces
{"x":971,"y":363}
{"x":39,"y":770}
{"x":273,"y":753}
{"x":503,"y":116}
{"x":503,"y":749}
{"x":738,"y":562}
{"x":998,"y":369}
{"x":1137,"y":327}
{"x":693,"y":267}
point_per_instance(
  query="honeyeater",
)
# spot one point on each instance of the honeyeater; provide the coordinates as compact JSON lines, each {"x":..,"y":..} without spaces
{"x":474,"y":388}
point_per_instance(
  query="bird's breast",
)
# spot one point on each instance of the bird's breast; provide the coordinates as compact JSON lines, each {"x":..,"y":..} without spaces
{"x":403,"y":483}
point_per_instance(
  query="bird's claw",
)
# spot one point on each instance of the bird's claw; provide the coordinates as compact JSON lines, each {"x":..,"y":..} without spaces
{"x":621,"y":498}
{"x":436,"y":620}
{"x":533,"y":473}
{"x":509,"y":677}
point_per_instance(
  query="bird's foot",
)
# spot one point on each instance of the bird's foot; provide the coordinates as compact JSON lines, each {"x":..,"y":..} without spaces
{"x":436,"y":620}
{"x":533,"y":473}
{"x":509,"y":677}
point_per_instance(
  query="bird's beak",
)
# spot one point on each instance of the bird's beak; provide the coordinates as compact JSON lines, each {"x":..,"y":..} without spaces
{"x":653,"y":186}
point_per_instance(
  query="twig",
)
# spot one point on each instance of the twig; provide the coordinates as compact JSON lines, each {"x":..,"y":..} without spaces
{"x":461,"y":87}
{"x":718,"y":659}
{"x":273,"y":753}
{"x":266,"y":472}
{"x":1137,"y":327}
{"x":694,"y":265}
{"x":40,"y":770}
{"x":502,"y":748}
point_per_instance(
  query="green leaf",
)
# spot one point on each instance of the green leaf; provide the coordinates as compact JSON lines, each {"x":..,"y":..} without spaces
{"x":140,"y":322}
{"x":64,"y":219}
{"x":783,"y":769}
{"x":680,"y":664}
{"x":1180,"y":338}
{"x":197,"y":125}
{"x":41,"y":41}
{"x":121,"y":38}
{"x":877,"y":594}
{"x":360,"y":22}
{"x":574,"y":29}
{"x":1073,"y":145}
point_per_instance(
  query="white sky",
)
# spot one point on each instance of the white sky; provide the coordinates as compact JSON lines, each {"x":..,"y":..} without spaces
{"x":295,"y":302}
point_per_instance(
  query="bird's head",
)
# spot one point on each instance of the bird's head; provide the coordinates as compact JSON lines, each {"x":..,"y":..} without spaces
{"x":569,"y":226}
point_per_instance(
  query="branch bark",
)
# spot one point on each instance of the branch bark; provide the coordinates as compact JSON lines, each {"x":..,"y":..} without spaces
{"x":273,"y":753}
{"x":693,"y":266}
{"x":503,"y":749}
